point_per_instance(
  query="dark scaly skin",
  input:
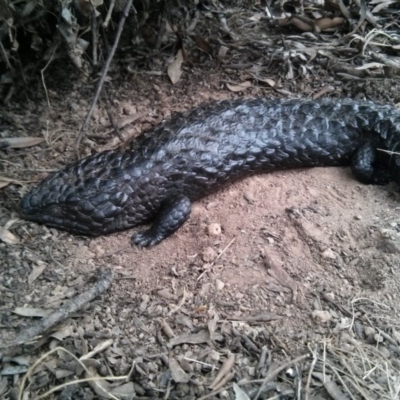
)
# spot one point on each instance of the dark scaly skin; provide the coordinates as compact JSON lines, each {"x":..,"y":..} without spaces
{"x":194,"y":154}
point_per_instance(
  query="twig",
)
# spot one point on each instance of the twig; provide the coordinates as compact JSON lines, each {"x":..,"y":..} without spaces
{"x":98,"y":349}
{"x":57,"y":388}
{"x":63,"y":312}
{"x":3,"y":50}
{"x":103,"y":75}
{"x":219,"y":256}
{"x":275,"y":372}
{"x":264,"y":381}
{"x":94,"y":35}
{"x":42,"y":74}
{"x":314,"y":361}
{"x":108,"y":17}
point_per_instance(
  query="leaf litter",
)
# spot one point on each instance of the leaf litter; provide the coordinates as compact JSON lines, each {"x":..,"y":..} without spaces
{"x":187,"y":340}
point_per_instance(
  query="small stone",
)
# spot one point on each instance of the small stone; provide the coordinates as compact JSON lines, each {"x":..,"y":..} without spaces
{"x":321,"y":316}
{"x":214,"y":229}
{"x":166,"y":294}
{"x":329,"y":254}
{"x":330,"y":296}
{"x":369,"y":331}
{"x":358,"y":217}
{"x":385,"y":352}
{"x":208,"y":254}
{"x":249,"y":196}
{"x":378,"y":338}
{"x":219,"y":285}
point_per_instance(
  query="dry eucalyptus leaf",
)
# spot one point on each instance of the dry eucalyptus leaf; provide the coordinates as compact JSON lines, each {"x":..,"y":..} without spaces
{"x":125,"y":391}
{"x":174,"y":69}
{"x":7,"y":237}
{"x":3,"y":183}
{"x":20,"y":143}
{"x":371,"y":65}
{"x":29,"y":7}
{"x":101,"y":387}
{"x":383,"y":5}
{"x":36,"y":272}
{"x":63,"y":333}
{"x":200,"y":337}
{"x":203,"y":45}
{"x":268,"y":81}
{"x":32,"y":312}
{"x":239,"y":87}
{"x":223,"y":50}
{"x":239,"y":393}
{"x":13,"y":369}
{"x":177,"y":373}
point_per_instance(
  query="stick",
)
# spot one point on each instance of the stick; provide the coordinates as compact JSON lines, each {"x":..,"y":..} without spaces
{"x":103,"y":75}
{"x":77,"y":303}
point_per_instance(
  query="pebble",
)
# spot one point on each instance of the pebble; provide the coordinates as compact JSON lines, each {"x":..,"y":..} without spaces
{"x":208,"y":254}
{"x":369,"y":331}
{"x":329,"y":254}
{"x":214,"y":229}
{"x":219,"y":285}
{"x":249,"y":196}
{"x":330,"y":296}
{"x":378,"y":338}
{"x":321,"y":316}
{"x":384,"y":351}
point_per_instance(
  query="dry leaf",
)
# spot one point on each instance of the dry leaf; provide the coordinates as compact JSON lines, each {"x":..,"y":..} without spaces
{"x":20,"y":143}
{"x":124,"y":391}
{"x":225,"y":369}
{"x":174,"y":69}
{"x":36,"y":272}
{"x":3,"y":184}
{"x":32,"y":312}
{"x":101,"y":387}
{"x":63,"y":333}
{"x":257,"y":17}
{"x":268,"y":81}
{"x":203,"y":45}
{"x":370,"y":65}
{"x":240,"y":87}
{"x":7,"y":237}
{"x":200,"y":337}
{"x":177,"y":373}
{"x":239,"y":393}
{"x":223,"y":50}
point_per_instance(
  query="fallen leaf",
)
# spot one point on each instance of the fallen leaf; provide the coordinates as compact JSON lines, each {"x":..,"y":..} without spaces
{"x":239,"y":393}
{"x":268,"y":81}
{"x":100,"y":386}
{"x":32,"y":312}
{"x":223,"y":50}
{"x":36,"y":272}
{"x":370,"y":66}
{"x":177,"y":373}
{"x":196,"y":338}
{"x":124,"y":391}
{"x":240,"y":87}
{"x":203,"y":45}
{"x":63,"y":333}
{"x":7,"y":237}
{"x":19,"y":143}
{"x":174,"y":69}
{"x":13,"y":369}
